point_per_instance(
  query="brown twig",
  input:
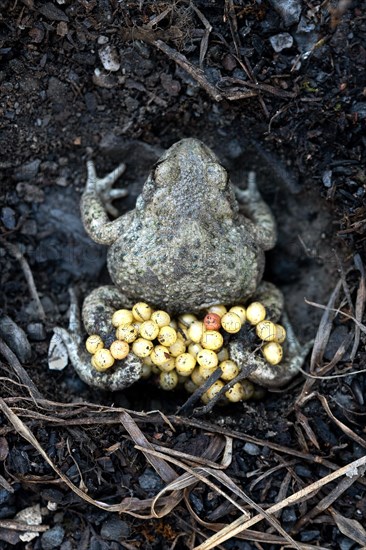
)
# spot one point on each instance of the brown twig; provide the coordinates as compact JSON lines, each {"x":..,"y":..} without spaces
{"x":240,"y":524}
{"x":206,"y":35}
{"x":24,"y":377}
{"x":16,"y":253}
{"x":360,"y":304}
{"x":194,"y":72}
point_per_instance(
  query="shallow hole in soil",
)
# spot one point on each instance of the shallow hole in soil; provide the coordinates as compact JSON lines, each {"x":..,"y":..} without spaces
{"x":303,"y":264}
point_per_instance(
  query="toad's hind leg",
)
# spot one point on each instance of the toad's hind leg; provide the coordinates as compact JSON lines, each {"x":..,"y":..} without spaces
{"x":259,"y":371}
{"x":259,"y":216}
{"x":98,"y":308}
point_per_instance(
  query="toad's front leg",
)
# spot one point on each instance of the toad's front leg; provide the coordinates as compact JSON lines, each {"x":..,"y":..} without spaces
{"x":96,"y":201}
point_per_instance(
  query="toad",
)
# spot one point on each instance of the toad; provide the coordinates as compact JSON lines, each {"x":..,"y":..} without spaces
{"x":193,"y":240}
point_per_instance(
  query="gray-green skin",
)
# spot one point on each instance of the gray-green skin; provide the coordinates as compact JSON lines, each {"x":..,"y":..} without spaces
{"x":192,"y":241}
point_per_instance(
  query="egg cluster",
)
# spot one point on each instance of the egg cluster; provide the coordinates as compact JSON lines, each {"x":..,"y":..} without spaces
{"x":187,"y":350}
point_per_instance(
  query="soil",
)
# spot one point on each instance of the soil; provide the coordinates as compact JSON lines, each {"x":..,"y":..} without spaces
{"x":121,"y":81}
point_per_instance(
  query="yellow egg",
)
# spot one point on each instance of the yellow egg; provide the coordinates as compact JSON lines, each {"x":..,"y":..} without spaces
{"x":240,"y":312}
{"x":255,"y":313}
{"x":195,"y":331}
{"x":194,"y":349}
{"x":127,"y":333}
{"x":190,"y":386}
{"x":214,"y":389}
{"x":94,"y":343}
{"x":149,"y":330}
{"x":167,"y":336}
{"x":186,"y":319}
{"x":160,"y":355}
{"x":142,"y":311}
{"x":212,"y":339}
{"x":223,"y":354}
{"x":103,"y":360}
{"x":146,"y":371}
{"x":205,"y":371}
{"x":266,"y":330}
{"x":207,"y":358}
{"x":219,"y":309}
{"x":229,"y":370}
{"x":142,"y":347}
{"x":122,"y":317}
{"x":235,"y":393}
{"x":161,"y":318}
{"x":119,"y":349}
{"x":185,"y":364}
{"x":280,"y":336}
{"x":230,"y":322}
{"x":197,"y":378}
{"x":168,"y":365}
{"x":92,"y":360}
{"x":272,"y":353}
{"x":168,"y":380}
{"x":177,"y":348}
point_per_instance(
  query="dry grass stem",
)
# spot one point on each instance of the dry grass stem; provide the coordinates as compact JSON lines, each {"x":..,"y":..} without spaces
{"x":17,"y":254}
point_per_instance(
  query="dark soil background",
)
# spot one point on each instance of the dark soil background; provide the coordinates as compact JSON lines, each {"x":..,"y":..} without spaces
{"x":273,"y":86}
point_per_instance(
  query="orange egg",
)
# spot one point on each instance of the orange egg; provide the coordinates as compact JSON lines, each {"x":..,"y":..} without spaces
{"x":212,"y":321}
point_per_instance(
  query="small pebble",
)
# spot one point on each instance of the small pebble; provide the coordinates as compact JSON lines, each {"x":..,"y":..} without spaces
{"x":109,"y":58}
{"x":345,"y":543}
{"x":52,"y":538}
{"x":327,"y":178}
{"x":252,"y":449}
{"x":309,"y":535}
{"x":104,"y":80}
{"x":36,"y":331}
{"x":115,"y":529}
{"x":281,"y":41}
{"x":27,"y":171}
{"x":302,"y":471}
{"x":4,"y":496}
{"x":8,"y":217}
{"x":150,"y":482}
{"x":289,"y":515}
{"x":289,"y":10}
{"x":196,"y":502}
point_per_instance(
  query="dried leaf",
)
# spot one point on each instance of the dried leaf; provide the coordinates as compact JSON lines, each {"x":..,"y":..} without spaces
{"x":351,"y":528}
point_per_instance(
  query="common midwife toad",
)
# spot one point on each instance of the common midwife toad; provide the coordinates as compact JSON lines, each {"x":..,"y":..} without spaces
{"x":193,"y":240}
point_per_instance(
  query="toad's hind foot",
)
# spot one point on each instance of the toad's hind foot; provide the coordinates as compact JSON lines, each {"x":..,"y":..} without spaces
{"x":123,"y":374}
{"x":272,"y":376}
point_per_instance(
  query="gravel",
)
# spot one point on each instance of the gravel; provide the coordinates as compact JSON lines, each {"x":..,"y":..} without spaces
{"x":52,"y":538}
